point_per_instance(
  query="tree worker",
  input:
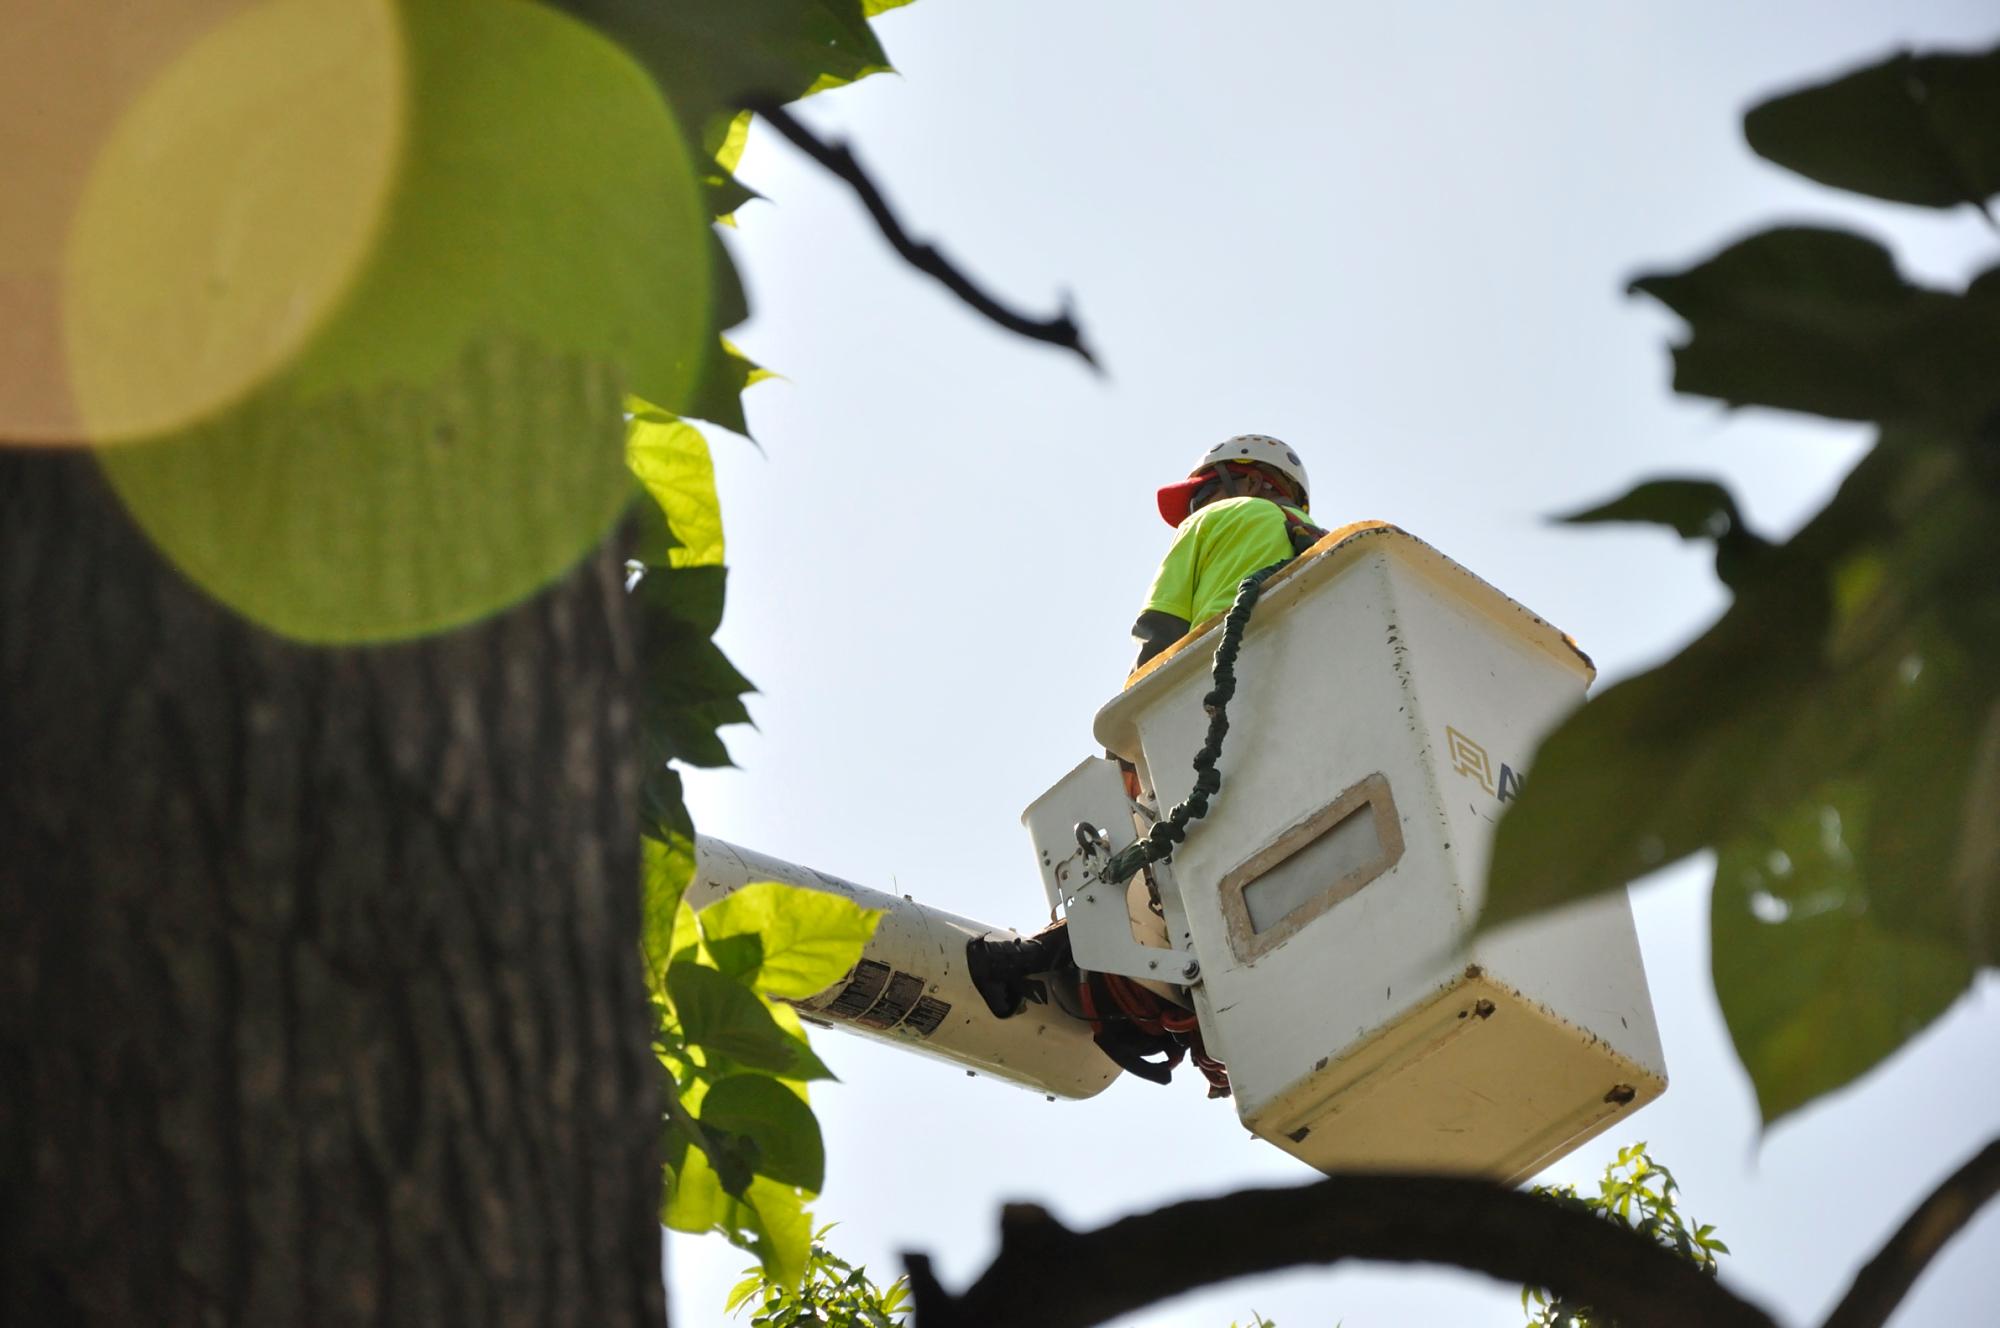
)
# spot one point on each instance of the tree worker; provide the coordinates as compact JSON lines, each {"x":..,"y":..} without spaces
{"x":1242,"y":508}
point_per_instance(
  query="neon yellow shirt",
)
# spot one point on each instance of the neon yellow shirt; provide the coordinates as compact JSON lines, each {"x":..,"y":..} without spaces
{"x":1215,"y":548}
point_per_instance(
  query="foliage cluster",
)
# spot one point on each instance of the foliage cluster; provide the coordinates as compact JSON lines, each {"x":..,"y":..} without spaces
{"x":1834,"y":739}
{"x":742,"y":1150}
{"x":1636,"y":1192}
{"x":834,"y":1294}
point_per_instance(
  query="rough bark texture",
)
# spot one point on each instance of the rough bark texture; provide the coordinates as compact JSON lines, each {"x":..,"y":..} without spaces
{"x":320,"y":1000}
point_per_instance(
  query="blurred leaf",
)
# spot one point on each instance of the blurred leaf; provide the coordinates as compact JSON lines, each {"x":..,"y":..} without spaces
{"x":741,"y":1293}
{"x":446,"y":443}
{"x":1858,"y":657}
{"x":1813,"y":320}
{"x":712,"y":56}
{"x":662,"y":809}
{"x":809,"y":939}
{"x":1694,"y":509}
{"x":720,"y":1014}
{"x":1919,"y":129}
{"x":671,"y":459}
{"x":719,"y":395}
{"x":787,"y":1135}
{"x":1815,"y":987}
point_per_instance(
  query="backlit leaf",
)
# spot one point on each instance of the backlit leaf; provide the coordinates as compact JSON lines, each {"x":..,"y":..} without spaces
{"x":671,"y":459}
{"x":770,"y":1219}
{"x":809,"y":939}
{"x":667,"y":867}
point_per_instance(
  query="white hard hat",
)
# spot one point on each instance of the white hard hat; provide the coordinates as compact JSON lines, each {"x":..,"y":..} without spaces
{"x":1257,"y":448}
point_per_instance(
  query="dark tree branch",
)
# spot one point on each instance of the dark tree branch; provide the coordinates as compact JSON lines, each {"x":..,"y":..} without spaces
{"x":1047,"y":1276}
{"x":839,"y":159}
{"x":1880,"y":1287}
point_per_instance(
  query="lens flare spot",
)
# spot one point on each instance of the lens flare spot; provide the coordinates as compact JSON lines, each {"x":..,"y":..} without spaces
{"x":228,"y":211}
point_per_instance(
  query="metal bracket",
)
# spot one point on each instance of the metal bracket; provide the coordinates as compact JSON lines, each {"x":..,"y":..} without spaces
{"x":1077,"y":826}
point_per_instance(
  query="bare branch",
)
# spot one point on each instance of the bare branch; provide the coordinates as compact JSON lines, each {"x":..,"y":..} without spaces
{"x":1880,"y":1286}
{"x":1047,"y":1276}
{"x":838,"y":158}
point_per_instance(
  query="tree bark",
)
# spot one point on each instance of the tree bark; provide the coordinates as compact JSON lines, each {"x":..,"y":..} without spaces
{"x":320,"y":997}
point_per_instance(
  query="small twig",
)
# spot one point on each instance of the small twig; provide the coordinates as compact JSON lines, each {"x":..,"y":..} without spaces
{"x":1880,"y":1286}
{"x":838,"y":158}
{"x":1047,"y":1276}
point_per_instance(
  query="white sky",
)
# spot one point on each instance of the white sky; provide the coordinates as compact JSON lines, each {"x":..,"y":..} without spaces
{"x":1397,"y":237}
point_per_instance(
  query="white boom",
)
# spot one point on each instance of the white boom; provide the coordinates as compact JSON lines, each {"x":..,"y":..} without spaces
{"x":911,"y":988}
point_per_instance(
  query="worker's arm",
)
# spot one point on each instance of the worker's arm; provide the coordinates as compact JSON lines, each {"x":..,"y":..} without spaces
{"x":1155,"y":631}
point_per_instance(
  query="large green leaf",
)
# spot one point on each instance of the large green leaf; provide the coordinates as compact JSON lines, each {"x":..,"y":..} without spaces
{"x":1816,"y":985}
{"x":721,"y":1015}
{"x":807,"y":939}
{"x":1913,"y":128}
{"x":447,"y":443}
{"x":1816,"y":320}
{"x":786,"y":1135}
{"x":770,"y":1220}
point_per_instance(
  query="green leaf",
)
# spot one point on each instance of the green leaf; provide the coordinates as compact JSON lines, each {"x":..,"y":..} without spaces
{"x":719,"y":395}
{"x":445,"y":444}
{"x":1813,"y":320}
{"x":1815,"y":989}
{"x":740,"y":1294}
{"x":787,"y":1135}
{"x":713,"y":56}
{"x":1921,"y":129}
{"x":721,"y":1015}
{"x":663,"y":811}
{"x":671,"y":459}
{"x":666,"y":870}
{"x":690,"y":688}
{"x":809,"y":939}
{"x":769,"y":1220}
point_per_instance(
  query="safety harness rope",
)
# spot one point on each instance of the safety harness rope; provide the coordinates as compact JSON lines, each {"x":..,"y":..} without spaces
{"x":1158,"y":842}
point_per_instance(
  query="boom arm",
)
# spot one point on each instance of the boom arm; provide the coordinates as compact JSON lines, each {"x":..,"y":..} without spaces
{"x":911,"y":987}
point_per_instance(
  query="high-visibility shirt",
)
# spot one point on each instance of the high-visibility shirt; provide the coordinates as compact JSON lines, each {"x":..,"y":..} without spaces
{"x":1214,"y":549}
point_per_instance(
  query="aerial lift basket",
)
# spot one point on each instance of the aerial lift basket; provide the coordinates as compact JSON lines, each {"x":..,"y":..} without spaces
{"x":1321,"y":914}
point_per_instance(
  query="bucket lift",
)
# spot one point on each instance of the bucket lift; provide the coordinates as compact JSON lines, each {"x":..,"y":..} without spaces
{"x":1316,"y":919}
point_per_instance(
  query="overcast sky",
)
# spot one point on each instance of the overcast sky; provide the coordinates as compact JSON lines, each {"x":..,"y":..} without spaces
{"x":1396,"y":236}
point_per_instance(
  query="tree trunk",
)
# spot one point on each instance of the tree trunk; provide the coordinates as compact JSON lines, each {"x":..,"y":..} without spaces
{"x":320,"y":998}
